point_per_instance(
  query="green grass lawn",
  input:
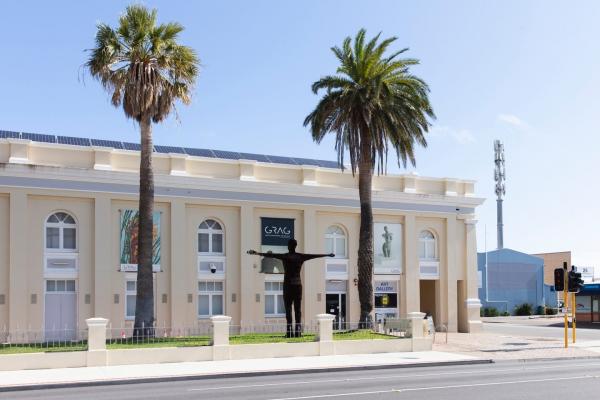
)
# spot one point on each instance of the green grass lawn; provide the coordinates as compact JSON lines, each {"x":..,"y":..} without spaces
{"x":256,"y":338}
{"x":361,"y":334}
{"x":41,"y":348}
{"x":193,"y":341}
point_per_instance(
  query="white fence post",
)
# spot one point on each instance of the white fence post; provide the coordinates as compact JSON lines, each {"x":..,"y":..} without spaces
{"x":96,"y":354}
{"x":419,"y":341}
{"x":220,"y":337}
{"x":326,"y":345}
{"x":416,"y":324}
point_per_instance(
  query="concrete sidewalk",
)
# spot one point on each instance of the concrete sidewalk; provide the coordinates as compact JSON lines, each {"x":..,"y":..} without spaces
{"x":45,"y":378}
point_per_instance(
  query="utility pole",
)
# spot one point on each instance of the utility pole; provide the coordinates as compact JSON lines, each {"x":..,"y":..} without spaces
{"x":566,"y":303}
{"x":499,"y":177}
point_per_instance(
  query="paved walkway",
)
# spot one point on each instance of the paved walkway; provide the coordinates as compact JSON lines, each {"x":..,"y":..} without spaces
{"x":513,"y":347}
{"x":144,"y":372}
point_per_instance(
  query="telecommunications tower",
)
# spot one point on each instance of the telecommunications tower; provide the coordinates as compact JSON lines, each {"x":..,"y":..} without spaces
{"x":499,"y":177}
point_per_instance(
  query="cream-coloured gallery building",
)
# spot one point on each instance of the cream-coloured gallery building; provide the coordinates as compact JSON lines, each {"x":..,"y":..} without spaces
{"x":68,"y":237}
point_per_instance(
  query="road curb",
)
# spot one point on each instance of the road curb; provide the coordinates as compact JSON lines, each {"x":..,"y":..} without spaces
{"x":128,"y":381}
{"x":569,"y":358}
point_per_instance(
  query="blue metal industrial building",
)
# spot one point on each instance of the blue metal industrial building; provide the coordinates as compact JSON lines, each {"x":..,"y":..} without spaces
{"x":509,"y":278}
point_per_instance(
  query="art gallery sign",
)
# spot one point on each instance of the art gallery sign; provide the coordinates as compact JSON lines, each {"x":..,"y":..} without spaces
{"x":386,"y":287}
{"x":276,"y":231}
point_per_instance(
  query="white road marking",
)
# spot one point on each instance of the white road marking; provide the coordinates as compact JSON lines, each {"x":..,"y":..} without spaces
{"x":372,"y":378}
{"x":321,"y":396}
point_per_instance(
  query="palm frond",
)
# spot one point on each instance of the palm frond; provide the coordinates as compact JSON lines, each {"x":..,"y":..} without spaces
{"x":141,"y":64}
{"x":372,"y":104}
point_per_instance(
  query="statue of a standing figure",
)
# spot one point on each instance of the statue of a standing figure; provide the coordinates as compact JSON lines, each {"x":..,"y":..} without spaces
{"x":387,"y":242}
{"x":292,"y":283}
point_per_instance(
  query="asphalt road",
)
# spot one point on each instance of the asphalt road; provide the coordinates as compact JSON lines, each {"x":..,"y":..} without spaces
{"x":551,"y":330}
{"x":506,"y":380}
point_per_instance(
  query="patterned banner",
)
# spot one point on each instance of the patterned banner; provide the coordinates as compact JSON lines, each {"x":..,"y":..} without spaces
{"x":129,"y":241}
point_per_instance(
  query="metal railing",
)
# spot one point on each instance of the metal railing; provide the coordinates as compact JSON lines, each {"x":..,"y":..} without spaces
{"x":66,"y":339}
{"x":124,"y":336}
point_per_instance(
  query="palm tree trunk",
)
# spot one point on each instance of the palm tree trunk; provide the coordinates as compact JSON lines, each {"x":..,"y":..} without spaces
{"x":365,"y":246}
{"x":144,"y":300}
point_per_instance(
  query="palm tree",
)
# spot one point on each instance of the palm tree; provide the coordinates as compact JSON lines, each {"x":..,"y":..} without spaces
{"x":145,"y":70}
{"x":371,"y":104}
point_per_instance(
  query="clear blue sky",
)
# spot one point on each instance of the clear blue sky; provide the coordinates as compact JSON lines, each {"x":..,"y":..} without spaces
{"x":526,"y":72}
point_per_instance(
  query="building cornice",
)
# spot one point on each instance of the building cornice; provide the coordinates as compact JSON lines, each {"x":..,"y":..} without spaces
{"x":43,"y":177}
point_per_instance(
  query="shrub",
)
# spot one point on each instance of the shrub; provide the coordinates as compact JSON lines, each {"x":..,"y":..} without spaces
{"x":524,"y":309}
{"x":490,"y":312}
{"x":551,"y":311}
{"x":540,"y":310}
{"x":505,"y":314}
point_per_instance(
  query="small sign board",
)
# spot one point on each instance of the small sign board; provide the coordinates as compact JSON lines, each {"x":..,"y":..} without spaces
{"x":276,"y":231}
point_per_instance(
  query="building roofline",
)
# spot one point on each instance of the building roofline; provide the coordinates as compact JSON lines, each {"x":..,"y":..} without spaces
{"x":116,"y":145}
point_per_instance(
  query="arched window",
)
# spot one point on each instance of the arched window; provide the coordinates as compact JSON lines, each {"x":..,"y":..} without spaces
{"x":427,"y":246}
{"x":335,"y":242}
{"x":61,"y":232}
{"x":210,"y":237}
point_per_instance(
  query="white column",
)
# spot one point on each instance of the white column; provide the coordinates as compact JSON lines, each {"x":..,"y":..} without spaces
{"x":450,"y":314}
{"x":312,"y":278}
{"x":182,"y":312}
{"x":220,"y":337}
{"x":472,"y":304}
{"x":412,"y":294}
{"x":419,"y":341}
{"x":416,"y":324}
{"x":96,"y":333}
{"x":103,"y":263}
{"x":326,"y":345}
{"x":96,"y":354}
{"x":247,"y":300}
{"x":18,"y":294}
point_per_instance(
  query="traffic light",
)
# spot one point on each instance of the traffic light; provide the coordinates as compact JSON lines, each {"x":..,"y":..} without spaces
{"x":575,"y":281}
{"x":559,"y":279}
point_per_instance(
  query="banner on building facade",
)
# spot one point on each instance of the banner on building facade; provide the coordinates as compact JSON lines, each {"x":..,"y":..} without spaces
{"x":129,"y":223}
{"x":387,"y":248}
{"x":276,"y":231}
{"x":274,"y":236}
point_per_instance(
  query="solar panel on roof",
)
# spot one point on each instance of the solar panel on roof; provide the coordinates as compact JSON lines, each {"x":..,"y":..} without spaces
{"x":328,"y":164}
{"x":306,"y":161}
{"x":9,"y":134}
{"x":132,"y":146}
{"x":169,"y":149}
{"x":107,"y":143}
{"x":199,"y":152}
{"x":75,"y":141}
{"x":256,"y":157}
{"x":282,"y":160}
{"x":36,"y":137}
{"x":229,"y":155}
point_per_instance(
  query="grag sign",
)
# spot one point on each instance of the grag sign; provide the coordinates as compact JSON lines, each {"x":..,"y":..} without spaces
{"x":276,"y":231}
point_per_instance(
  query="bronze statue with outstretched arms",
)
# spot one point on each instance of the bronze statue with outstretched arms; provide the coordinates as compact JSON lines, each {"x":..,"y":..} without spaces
{"x":292,"y":283}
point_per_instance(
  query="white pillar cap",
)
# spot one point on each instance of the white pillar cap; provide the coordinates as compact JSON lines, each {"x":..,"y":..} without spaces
{"x":325,"y":317}
{"x":96,"y":322}
{"x":473,"y":303}
{"x":220,"y":318}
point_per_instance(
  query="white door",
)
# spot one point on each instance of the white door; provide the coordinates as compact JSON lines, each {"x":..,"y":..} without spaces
{"x":60,"y":310}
